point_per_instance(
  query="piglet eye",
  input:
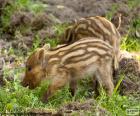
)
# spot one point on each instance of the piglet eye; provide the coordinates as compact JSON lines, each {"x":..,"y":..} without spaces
{"x":29,"y":68}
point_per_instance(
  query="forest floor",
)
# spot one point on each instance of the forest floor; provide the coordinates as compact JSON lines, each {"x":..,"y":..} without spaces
{"x":26,"y":25}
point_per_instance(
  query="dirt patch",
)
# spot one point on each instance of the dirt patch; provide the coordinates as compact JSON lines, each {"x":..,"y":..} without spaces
{"x":24,"y":27}
{"x":42,"y":112}
{"x":80,"y":108}
{"x":68,"y":11}
{"x":130,"y":70}
{"x":73,"y":108}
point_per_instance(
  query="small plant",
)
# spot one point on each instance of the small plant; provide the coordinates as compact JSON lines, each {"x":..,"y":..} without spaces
{"x":130,"y":44}
{"x":59,"y":29}
{"x":133,"y":3}
{"x":36,"y":43}
{"x":110,"y":13}
{"x":117,"y":104}
{"x":53,"y":41}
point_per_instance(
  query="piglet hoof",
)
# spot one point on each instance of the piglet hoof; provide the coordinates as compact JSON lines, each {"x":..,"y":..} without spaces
{"x":44,"y":99}
{"x":72,"y":92}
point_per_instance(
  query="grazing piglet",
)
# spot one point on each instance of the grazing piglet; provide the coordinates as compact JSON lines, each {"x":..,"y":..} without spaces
{"x":97,"y":27}
{"x":69,"y":63}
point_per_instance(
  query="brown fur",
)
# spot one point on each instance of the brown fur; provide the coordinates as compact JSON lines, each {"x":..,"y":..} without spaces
{"x":69,"y":63}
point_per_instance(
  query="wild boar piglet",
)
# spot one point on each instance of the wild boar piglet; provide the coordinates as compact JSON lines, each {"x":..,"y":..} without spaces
{"x":69,"y":63}
{"x":97,"y":27}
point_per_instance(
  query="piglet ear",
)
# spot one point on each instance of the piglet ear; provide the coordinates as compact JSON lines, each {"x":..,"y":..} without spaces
{"x":41,"y":54}
{"x":47,"y":46}
{"x":42,"y":51}
{"x":42,"y":58}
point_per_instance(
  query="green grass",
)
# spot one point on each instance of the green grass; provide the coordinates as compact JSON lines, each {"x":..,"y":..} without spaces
{"x":118,"y":105}
{"x":110,"y":13}
{"x":18,"y":6}
{"x":130,"y":44}
{"x":133,"y":3}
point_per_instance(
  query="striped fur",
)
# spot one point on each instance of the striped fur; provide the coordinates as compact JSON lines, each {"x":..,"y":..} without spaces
{"x":98,"y":27}
{"x":69,"y":63}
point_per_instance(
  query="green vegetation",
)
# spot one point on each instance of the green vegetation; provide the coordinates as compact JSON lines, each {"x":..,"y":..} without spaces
{"x":133,"y":3}
{"x":130,"y":44}
{"x":117,"y":104}
{"x":15,"y":98}
{"x":18,"y":6}
{"x":113,"y":10}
